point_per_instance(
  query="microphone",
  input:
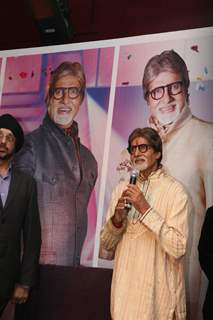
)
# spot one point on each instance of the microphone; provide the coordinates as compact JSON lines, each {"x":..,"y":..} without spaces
{"x":133,"y":178}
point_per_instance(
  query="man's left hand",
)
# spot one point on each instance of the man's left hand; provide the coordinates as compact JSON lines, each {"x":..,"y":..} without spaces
{"x":20,"y":294}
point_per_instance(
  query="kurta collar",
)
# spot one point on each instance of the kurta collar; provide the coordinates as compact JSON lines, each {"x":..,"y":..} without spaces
{"x":153,"y":175}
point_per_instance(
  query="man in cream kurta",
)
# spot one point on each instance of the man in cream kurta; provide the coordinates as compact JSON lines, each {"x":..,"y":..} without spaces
{"x":149,"y":241}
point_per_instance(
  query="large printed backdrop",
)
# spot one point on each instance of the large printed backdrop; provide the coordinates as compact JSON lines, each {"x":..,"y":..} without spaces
{"x":113,"y":105}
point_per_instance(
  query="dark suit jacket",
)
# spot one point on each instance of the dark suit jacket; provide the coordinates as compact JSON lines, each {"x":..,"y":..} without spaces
{"x":19,"y":221}
{"x":205,"y":248}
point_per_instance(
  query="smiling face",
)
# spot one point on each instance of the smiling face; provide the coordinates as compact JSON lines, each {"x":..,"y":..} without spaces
{"x":62,"y":111}
{"x":145,"y":161}
{"x":7,"y":144}
{"x":167,"y":108}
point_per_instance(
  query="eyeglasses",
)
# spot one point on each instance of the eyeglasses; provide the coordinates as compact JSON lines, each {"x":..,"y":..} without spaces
{"x":8,"y":138}
{"x":59,"y":92}
{"x":141,"y":147}
{"x":173,"y":89}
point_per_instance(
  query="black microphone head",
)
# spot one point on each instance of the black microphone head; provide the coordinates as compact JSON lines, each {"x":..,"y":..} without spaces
{"x":133,"y":176}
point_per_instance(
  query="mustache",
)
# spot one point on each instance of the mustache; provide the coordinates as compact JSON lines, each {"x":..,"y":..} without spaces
{"x":139,"y":158}
{"x":2,"y":145}
{"x":168,"y":105}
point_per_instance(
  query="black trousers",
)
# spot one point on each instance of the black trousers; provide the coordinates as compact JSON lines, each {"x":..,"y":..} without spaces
{"x":3,"y":304}
{"x":28,"y":310}
{"x":24,"y":311}
{"x":68,"y":293}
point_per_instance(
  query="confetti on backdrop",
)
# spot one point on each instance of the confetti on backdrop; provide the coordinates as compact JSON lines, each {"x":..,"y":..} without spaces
{"x":47,"y":71}
{"x":206,"y":70}
{"x":23,"y":75}
{"x":195,"y":48}
{"x":200,"y":86}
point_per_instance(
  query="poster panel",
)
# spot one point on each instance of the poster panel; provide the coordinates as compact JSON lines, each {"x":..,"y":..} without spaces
{"x":25,"y":81}
{"x":187,"y":150}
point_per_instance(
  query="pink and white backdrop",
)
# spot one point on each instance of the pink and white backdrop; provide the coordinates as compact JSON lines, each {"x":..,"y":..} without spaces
{"x":113,"y":104}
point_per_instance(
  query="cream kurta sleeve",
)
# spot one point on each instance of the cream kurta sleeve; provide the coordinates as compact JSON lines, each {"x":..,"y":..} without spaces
{"x":110,"y":235}
{"x":171,"y":228}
